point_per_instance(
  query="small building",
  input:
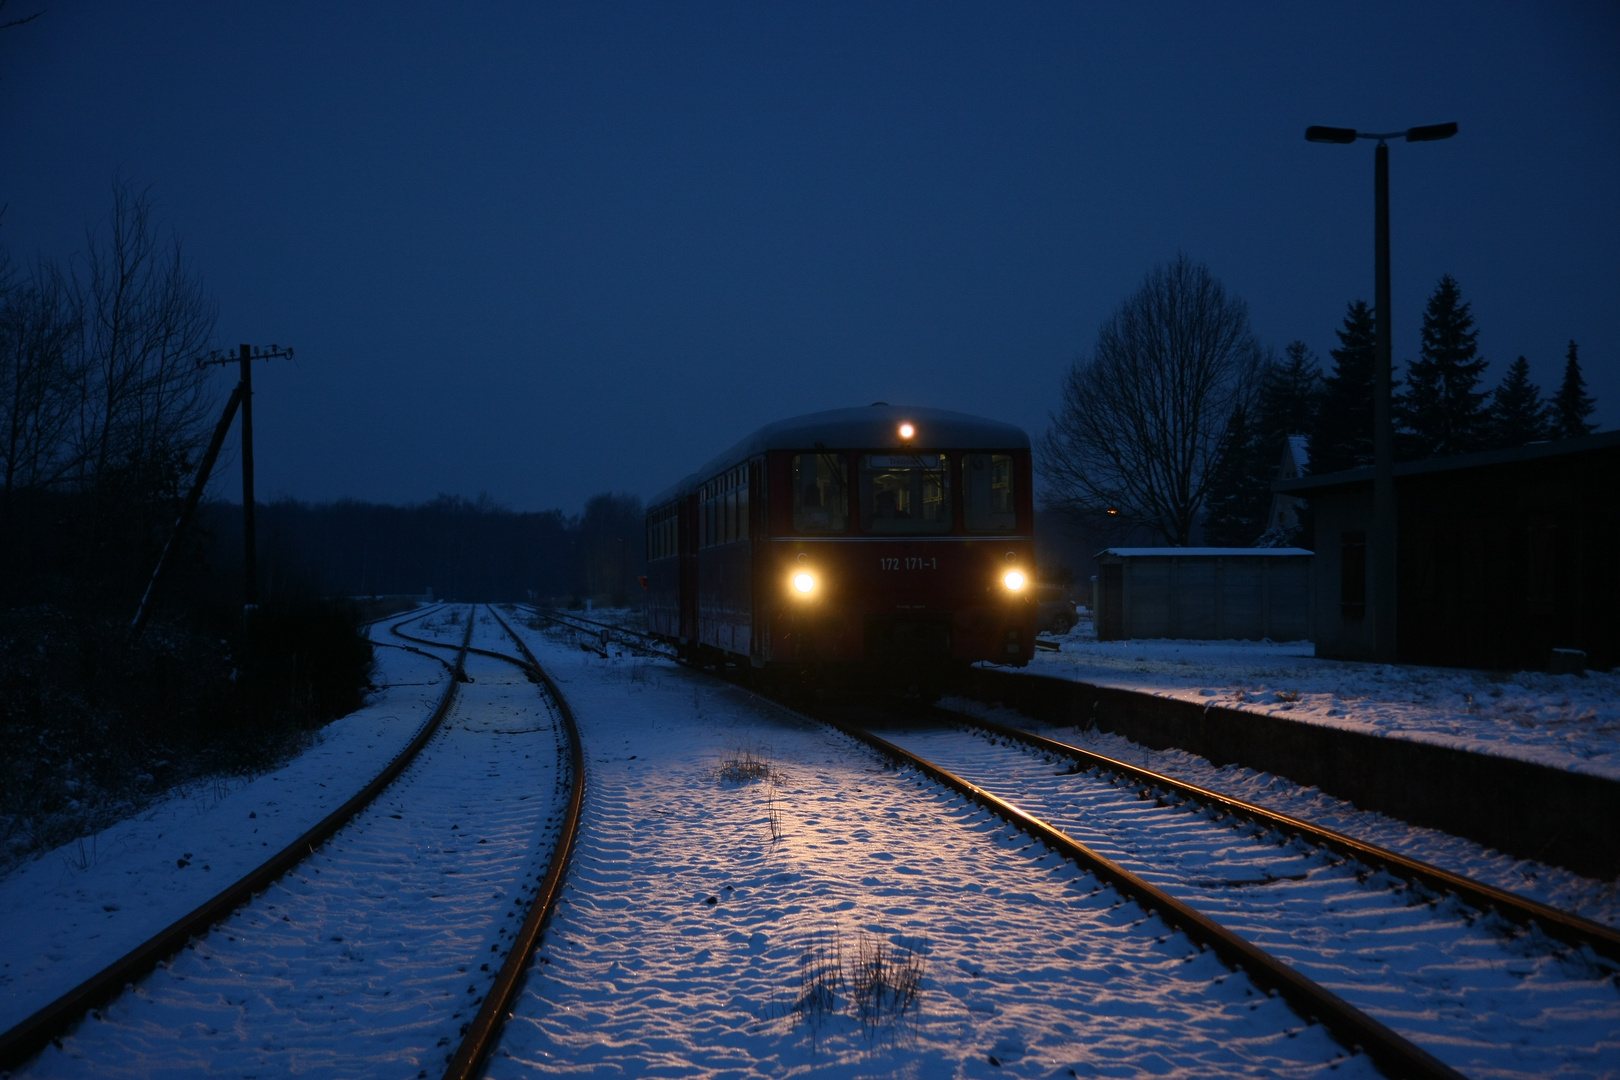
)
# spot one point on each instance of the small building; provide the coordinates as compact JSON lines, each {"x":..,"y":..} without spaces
{"x":1207,"y":593}
{"x":1502,"y":557}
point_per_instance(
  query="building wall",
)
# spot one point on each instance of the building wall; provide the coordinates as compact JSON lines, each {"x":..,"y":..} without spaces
{"x":1497,"y":564}
{"x":1210,"y":597}
{"x":1338,"y":633}
{"x":1501,"y":565}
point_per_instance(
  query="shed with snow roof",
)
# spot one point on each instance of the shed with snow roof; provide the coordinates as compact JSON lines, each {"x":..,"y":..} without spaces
{"x":1208,"y":593}
{"x":1504,"y":559}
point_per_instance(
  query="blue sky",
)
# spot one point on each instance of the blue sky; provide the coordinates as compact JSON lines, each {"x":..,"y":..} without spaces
{"x":542,"y":251}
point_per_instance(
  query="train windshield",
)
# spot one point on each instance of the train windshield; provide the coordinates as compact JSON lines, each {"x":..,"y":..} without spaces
{"x":905,"y":494}
{"x":820,"y":493}
{"x":987,"y":493}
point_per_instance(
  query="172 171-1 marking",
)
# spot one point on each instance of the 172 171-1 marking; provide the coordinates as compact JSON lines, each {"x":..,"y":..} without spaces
{"x":908,"y":562}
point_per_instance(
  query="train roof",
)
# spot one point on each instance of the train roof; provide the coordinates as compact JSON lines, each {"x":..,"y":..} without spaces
{"x":875,"y":427}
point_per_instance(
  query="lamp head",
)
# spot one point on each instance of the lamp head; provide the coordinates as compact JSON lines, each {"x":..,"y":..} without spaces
{"x":1317,"y":133}
{"x":1431,"y":132}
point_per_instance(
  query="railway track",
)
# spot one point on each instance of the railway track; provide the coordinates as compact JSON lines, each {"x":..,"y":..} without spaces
{"x":291,"y":870}
{"x":1393,"y":1052}
{"x":1561,"y":925}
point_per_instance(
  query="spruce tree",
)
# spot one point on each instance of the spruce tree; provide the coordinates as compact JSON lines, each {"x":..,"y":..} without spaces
{"x":1571,"y":407}
{"x":1289,"y":390}
{"x":1442,"y":411}
{"x":1239,"y":493}
{"x":1341,"y":437}
{"x":1518,"y":414}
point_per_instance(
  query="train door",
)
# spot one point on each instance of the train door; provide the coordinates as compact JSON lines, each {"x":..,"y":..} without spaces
{"x":689,"y":569}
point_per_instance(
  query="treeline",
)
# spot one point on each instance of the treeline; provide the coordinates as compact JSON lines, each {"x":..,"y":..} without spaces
{"x":1441,"y":410}
{"x":103,"y":408}
{"x":457,"y":548}
{"x":1171,"y":429}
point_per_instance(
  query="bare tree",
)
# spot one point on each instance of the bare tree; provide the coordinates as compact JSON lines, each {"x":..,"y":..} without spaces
{"x":1142,"y":416}
{"x":147,"y":318}
{"x":39,"y":377}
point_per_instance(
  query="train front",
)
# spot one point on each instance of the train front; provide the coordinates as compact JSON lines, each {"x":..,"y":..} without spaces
{"x":904,"y":554}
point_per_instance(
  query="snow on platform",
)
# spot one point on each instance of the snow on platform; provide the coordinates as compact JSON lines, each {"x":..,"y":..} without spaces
{"x":1563,"y":721}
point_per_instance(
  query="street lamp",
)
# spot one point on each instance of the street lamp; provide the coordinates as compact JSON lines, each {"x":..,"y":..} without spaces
{"x":1381,"y":546}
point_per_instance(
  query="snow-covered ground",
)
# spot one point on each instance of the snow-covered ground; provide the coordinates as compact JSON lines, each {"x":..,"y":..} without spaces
{"x":681,"y":944}
{"x":365,"y":959}
{"x":1565,"y":721}
{"x":1488,"y":1002}
{"x":70,"y":912}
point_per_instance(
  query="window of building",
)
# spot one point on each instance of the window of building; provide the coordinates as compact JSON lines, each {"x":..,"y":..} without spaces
{"x":820,"y":493}
{"x":988,"y":503}
{"x":905,"y":494}
{"x":1353,"y":574}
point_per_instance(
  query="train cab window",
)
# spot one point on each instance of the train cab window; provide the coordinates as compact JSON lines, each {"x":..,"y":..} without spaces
{"x":988,"y":503}
{"x":820,"y":493}
{"x":905,"y":494}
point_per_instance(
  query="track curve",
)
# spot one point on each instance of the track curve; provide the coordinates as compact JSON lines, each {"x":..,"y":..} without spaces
{"x":27,"y":1038}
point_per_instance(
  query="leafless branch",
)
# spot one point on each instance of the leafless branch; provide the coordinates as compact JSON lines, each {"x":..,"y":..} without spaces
{"x":1142,"y":417}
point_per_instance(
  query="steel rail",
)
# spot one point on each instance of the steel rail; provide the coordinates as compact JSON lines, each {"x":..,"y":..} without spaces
{"x":1562,"y":925}
{"x":479,"y":1035}
{"x":47,"y":1024}
{"x":1393,"y":1053}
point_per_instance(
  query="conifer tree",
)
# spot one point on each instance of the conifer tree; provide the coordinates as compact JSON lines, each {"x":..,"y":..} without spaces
{"x":1289,"y":390}
{"x":1239,"y":493}
{"x":1518,"y":415}
{"x":1571,"y":407}
{"x":1442,"y":411}
{"x":1341,"y":437}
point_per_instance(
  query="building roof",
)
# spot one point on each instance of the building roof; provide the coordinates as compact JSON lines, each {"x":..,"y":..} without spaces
{"x":875,"y":427}
{"x":1194,"y":552}
{"x":1530,"y":452}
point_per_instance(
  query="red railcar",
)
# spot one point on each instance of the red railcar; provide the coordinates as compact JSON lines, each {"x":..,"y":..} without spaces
{"x":888,"y":541}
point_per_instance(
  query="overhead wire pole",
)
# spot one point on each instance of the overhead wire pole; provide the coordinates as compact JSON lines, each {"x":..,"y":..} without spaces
{"x":1381,"y":545}
{"x":246,"y":354}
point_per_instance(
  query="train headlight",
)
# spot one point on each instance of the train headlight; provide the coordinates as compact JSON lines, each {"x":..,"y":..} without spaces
{"x":907,"y":431}
{"x":804,"y":583}
{"x":1015,"y":580}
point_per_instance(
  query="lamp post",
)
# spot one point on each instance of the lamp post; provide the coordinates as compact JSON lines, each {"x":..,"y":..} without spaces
{"x":1381,"y":544}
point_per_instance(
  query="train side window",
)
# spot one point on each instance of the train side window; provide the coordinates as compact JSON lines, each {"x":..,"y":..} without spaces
{"x":820,"y":493}
{"x":905,"y":494}
{"x":711,"y":514}
{"x":742,"y":505}
{"x":731,"y":506}
{"x":988,"y":496}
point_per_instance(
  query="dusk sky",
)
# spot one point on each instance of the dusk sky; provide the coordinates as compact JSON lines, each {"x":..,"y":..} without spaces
{"x":542,"y":251}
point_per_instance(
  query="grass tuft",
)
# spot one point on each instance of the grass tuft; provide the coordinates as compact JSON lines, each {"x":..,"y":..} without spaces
{"x":877,"y":983}
{"x":745,"y":768}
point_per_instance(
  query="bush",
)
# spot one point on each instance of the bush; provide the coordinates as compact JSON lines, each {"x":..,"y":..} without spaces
{"x":93,"y":727}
